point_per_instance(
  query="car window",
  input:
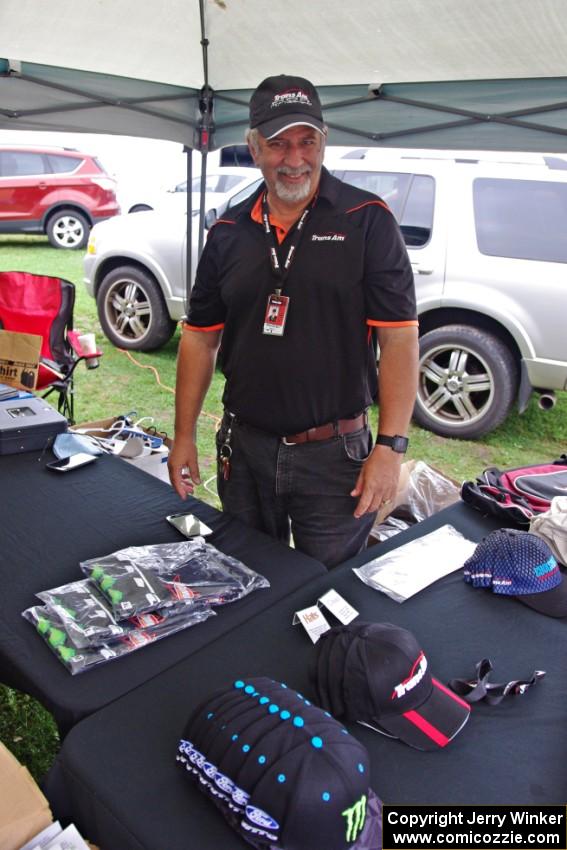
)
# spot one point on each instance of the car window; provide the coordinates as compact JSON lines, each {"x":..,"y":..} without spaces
{"x":228,"y":182}
{"x":417,"y":216}
{"x":244,"y":193}
{"x":523,"y":219}
{"x":62,"y":164}
{"x":391,"y":187}
{"x":21,"y":163}
{"x":212,"y":183}
{"x":409,"y":196}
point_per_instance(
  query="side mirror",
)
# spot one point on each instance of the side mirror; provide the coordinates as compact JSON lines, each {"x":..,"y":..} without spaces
{"x":210,"y":218}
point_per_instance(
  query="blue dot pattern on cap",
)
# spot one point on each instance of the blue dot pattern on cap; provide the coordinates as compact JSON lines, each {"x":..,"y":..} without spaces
{"x":513,"y":563}
{"x":290,"y":764}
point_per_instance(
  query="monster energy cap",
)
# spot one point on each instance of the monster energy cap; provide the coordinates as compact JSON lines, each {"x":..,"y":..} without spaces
{"x":284,"y":773}
{"x":378,"y":675}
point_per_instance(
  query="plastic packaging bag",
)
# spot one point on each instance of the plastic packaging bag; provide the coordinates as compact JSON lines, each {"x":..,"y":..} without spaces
{"x":53,"y":631}
{"x":410,"y":568}
{"x":88,"y":618}
{"x":429,"y":491}
{"x":422,"y":492}
{"x":142,"y":578}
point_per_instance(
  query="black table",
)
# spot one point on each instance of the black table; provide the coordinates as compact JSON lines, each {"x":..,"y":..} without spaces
{"x":116,"y":775}
{"x":51,"y":521}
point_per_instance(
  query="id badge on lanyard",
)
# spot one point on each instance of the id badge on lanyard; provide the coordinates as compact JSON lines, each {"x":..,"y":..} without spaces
{"x":276,"y":314}
{"x":277,"y":307}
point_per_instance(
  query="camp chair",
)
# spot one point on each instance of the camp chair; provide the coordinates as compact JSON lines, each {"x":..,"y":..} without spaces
{"x":42,"y":305}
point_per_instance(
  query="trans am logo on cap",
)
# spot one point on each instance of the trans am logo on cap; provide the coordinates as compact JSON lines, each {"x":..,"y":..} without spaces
{"x":293,"y":97}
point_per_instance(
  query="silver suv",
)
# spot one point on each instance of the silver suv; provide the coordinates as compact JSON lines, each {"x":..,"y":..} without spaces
{"x":487,"y":242}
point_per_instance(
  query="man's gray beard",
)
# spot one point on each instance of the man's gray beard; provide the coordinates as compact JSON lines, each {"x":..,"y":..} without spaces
{"x":295,"y":194}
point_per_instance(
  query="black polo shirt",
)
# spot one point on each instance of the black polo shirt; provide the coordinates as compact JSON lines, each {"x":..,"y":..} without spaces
{"x":350,"y":272}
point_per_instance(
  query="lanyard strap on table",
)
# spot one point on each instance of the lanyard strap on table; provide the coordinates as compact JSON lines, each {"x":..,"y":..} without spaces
{"x":492,"y":693}
{"x":281,"y":272}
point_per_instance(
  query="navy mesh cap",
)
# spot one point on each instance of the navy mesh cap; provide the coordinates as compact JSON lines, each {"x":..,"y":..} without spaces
{"x":520,"y":564}
{"x":283,"y":772}
{"x":282,"y":102}
{"x":377,"y":674}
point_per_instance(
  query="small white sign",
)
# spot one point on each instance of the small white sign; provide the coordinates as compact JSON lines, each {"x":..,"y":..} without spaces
{"x":313,"y":621}
{"x":337,"y":605}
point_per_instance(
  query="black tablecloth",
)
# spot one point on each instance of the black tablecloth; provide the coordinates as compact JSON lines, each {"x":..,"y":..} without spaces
{"x":116,"y":774}
{"x":51,"y":521}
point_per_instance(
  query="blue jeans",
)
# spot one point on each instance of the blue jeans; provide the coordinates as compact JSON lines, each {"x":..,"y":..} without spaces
{"x":303,"y":489}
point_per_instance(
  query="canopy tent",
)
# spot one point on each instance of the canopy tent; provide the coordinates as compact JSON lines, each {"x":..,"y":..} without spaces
{"x":459,"y":74}
{"x":410,"y":73}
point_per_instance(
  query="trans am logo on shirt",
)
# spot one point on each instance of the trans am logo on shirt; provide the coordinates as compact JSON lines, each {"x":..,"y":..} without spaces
{"x":328,"y":237}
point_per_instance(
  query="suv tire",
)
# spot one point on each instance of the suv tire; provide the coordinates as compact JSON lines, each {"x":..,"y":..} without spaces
{"x":468,"y":380}
{"x":132,"y":311}
{"x":68,"y":228}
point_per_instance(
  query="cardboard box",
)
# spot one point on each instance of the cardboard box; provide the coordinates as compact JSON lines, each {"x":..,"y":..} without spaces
{"x":24,"y":811}
{"x":19,"y":359}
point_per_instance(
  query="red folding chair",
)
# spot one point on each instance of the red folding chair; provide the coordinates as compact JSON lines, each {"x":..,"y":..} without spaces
{"x":42,"y":305}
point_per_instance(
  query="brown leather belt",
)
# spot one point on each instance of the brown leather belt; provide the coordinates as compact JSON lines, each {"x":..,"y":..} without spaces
{"x":325,"y":432}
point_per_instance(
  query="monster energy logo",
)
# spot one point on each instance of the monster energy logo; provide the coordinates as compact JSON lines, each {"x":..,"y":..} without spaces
{"x":355,"y":817}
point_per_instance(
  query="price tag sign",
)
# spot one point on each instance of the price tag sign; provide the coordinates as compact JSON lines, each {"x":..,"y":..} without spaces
{"x":313,"y":621}
{"x":334,"y":602}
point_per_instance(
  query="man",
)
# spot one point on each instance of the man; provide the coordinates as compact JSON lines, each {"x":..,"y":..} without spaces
{"x":294,"y":280}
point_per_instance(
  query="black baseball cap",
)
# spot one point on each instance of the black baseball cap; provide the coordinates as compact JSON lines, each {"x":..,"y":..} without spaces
{"x":282,"y":102}
{"x":378,"y":675}
{"x":284,"y":773}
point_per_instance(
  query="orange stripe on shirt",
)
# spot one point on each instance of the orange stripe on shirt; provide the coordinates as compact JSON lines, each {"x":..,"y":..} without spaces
{"x":188,"y":327}
{"x":410,"y":323}
{"x":369,"y":203}
{"x":256,"y":215}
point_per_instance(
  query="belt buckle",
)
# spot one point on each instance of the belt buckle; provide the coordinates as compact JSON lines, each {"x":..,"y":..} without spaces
{"x":286,"y":442}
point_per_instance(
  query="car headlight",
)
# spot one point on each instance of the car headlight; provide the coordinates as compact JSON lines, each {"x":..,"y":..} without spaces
{"x":91,"y":244}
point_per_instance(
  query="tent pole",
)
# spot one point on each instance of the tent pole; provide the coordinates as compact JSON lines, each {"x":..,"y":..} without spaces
{"x":189,"y":236}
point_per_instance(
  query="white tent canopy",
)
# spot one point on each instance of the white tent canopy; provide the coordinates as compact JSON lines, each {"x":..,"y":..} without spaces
{"x":465,"y":74}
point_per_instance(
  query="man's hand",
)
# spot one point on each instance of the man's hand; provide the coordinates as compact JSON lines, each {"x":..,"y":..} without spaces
{"x":183,"y":466}
{"x":377,"y":483}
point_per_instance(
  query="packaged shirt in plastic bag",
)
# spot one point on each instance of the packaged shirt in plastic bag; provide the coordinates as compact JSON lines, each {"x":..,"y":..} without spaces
{"x":142,"y":578}
{"x":52,"y":629}
{"x":88,"y":618}
{"x":410,"y":568}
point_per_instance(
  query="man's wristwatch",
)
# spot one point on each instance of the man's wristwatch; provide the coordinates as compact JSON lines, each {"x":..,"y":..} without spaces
{"x":396,"y":443}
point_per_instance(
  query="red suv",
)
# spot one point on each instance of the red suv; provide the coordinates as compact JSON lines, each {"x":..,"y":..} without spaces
{"x":57,"y":191}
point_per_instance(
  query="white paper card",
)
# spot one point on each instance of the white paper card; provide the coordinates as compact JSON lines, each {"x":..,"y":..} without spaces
{"x":337,"y":605}
{"x":69,"y":839}
{"x":313,"y":621}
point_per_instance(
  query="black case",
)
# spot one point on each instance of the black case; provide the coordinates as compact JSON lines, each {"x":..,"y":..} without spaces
{"x":27,"y":424}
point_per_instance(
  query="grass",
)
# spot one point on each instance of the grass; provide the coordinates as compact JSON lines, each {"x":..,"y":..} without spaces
{"x":145,"y":382}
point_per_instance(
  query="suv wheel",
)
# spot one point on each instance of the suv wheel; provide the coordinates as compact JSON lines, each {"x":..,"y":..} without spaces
{"x":68,"y":228}
{"x":468,"y":380}
{"x":132,"y":311}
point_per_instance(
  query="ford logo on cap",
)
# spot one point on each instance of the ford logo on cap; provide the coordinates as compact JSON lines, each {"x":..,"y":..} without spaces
{"x":260,"y":818}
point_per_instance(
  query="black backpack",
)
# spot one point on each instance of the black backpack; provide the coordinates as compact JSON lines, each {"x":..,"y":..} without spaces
{"x":516,"y":496}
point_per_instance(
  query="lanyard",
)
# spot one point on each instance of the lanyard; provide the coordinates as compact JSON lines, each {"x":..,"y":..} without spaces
{"x":280,"y":272}
{"x":492,"y":693}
